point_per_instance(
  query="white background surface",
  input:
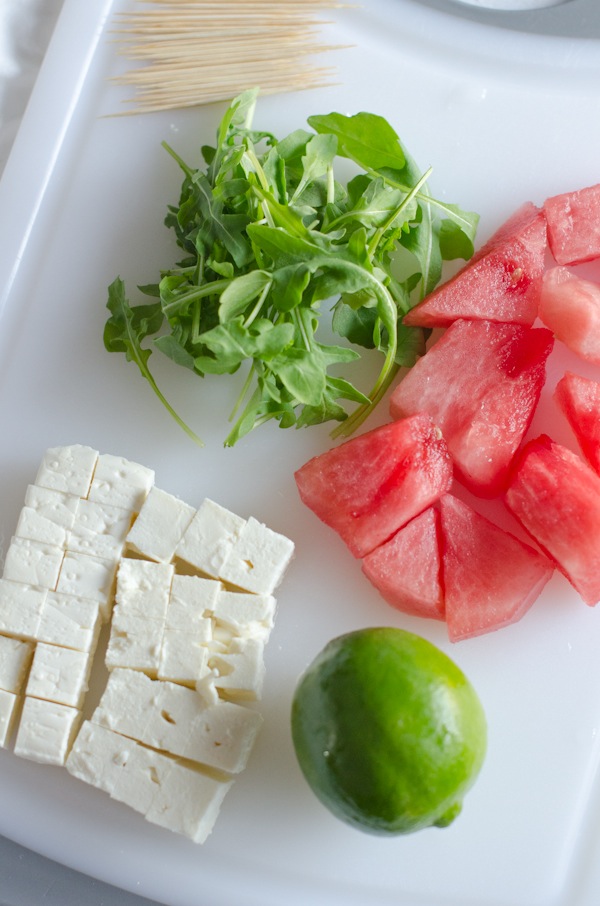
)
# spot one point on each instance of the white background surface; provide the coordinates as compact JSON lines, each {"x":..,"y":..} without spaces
{"x":502,"y":118}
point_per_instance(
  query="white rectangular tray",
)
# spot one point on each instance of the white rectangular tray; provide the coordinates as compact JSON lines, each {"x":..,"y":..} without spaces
{"x":502,"y":118}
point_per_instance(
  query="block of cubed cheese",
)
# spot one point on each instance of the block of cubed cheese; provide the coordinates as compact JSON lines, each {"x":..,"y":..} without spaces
{"x":98,"y":756}
{"x":178,"y":720}
{"x":99,"y":529}
{"x":37,"y":528}
{"x":245,"y":614}
{"x":184,"y":655}
{"x":69,"y":621}
{"x":15,"y":660}
{"x":9,"y":709}
{"x":56,"y":507}
{"x":240,"y":670}
{"x":20,"y":608}
{"x":188,"y":802}
{"x":160,"y":525}
{"x":88,"y":577}
{"x":59,"y":674}
{"x":135,"y":642}
{"x":46,"y":731}
{"x":119,"y":482}
{"x":209,"y":538}
{"x":33,"y":563}
{"x":191,"y":602}
{"x":143,"y":588}
{"x":258,"y":559}
{"x":68,"y":469}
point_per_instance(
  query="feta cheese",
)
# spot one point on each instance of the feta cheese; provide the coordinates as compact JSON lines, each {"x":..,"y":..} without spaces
{"x":184,"y":655}
{"x":33,"y":563}
{"x":20,"y":609}
{"x":188,"y":802}
{"x":47,"y":516}
{"x":142,"y":779}
{"x":99,"y":530}
{"x":46,"y":731}
{"x":143,"y":589}
{"x":15,"y":660}
{"x":240,"y":671}
{"x":69,"y":621}
{"x":68,"y":469}
{"x":134,"y":642}
{"x":99,"y":756}
{"x":258,"y":559}
{"x":191,"y":602}
{"x":209,"y":538}
{"x":160,"y":525}
{"x":119,"y":482}
{"x":58,"y":675}
{"x":9,"y":709}
{"x":88,"y":577}
{"x":177,"y":720}
{"x":245,"y":614}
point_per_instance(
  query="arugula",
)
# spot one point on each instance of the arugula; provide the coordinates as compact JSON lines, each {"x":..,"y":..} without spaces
{"x":269,"y":236}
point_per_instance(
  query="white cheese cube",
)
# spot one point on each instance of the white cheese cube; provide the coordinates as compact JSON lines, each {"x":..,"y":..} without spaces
{"x":119,"y":482}
{"x":9,"y":709}
{"x":245,"y":614}
{"x":192,"y":600}
{"x":240,"y":671}
{"x":209,"y":538}
{"x":258,"y":559}
{"x":188,"y":802}
{"x":69,"y":621}
{"x":37,"y":528}
{"x":160,"y":525}
{"x":33,"y":563}
{"x":177,"y":720}
{"x":15,"y":660}
{"x":47,"y":516}
{"x":142,"y":779}
{"x":20,"y":609}
{"x":134,"y":642}
{"x":143,"y":589}
{"x":88,"y":577}
{"x":59,"y":675}
{"x":46,"y":731}
{"x":128,"y":703}
{"x":222,"y":736}
{"x":68,"y":469}
{"x":184,"y":656}
{"x":99,"y":756}
{"x":99,"y":530}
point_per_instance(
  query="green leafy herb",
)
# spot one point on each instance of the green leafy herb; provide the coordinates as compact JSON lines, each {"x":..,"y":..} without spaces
{"x":273,"y":243}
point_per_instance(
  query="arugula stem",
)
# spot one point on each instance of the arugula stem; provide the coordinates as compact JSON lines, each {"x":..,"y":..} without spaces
{"x":209,"y":289}
{"x":256,"y":310}
{"x":382,"y":229}
{"x":243,"y":392}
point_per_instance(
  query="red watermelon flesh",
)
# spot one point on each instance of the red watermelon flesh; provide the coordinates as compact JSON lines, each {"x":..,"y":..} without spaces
{"x":406,"y":569}
{"x":555,"y":496}
{"x":370,"y":486}
{"x":573,"y":220}
{"x":480,"y":383}
{"x":491,"y":578}
{"x":579,"y":398}
{"x":500,"y":283}
{"x":570,"y":307}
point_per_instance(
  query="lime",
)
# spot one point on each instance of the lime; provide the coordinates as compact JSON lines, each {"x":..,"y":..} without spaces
{"x":388,"y":731}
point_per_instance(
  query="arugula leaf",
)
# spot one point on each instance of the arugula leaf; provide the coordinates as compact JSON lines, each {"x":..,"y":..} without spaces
{"x":274,"y":245}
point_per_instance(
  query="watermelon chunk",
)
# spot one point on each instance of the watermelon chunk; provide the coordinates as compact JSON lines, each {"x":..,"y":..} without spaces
{"x":579,"y":398}
{"x":406,"y":569}
{"x":500,"y":283}
{"x":573,"y":220}
{"x":491,"y":578}
{"x":480,"y":383}
{"x":570,"y":307}
{"x":370,"y":486}
{"x":555,"y":496}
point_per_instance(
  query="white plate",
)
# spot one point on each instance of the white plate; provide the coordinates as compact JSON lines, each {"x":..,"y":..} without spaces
{"x":502,"y":118}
